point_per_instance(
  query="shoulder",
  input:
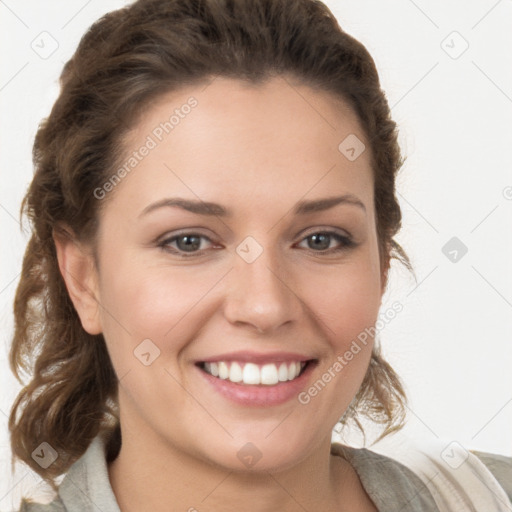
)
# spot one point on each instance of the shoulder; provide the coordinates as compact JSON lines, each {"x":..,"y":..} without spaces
{"x":501,"y":468}
{"x":420,"y":477}
{"x":85,"y":485}
{"x":55,"y":506}
{"x":390,"y":484}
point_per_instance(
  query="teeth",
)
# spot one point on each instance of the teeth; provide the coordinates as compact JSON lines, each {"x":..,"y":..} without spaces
{"x":283,"y":372}
{"x":235,"y":373}
{"x":252,"y":374}
{"x":214,"y":369}
{"x":269,"y":375}
{"x":291,"y":371}
{"x":223,"y":370}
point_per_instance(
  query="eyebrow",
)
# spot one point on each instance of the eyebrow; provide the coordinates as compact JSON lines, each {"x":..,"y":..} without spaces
{"x":215,"y":209}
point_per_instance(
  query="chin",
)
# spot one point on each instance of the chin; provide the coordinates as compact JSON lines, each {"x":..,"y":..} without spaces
{"x":257,"y":454}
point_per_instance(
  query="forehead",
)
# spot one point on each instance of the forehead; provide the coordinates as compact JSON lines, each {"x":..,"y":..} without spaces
{"x":234,"y":141}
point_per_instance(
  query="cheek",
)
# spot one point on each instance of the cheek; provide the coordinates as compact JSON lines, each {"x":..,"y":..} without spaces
{"x":346,"y":306}
{"x":142,"y":301}
{"x":346,"y":301}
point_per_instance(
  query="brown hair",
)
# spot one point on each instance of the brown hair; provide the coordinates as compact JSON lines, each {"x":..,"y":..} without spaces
{"x":125,"y":60}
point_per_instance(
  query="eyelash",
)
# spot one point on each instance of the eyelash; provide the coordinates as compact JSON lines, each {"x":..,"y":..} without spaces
{"x":346,"y":243}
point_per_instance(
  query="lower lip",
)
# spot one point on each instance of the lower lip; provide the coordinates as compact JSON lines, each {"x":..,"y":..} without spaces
{"x":261,"y":395}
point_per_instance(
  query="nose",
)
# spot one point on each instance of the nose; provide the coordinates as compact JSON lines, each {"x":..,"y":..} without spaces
{"x":260,"y":295}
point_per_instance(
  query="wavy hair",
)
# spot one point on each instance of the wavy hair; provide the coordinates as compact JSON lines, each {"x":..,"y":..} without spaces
{"x":127,"y":59}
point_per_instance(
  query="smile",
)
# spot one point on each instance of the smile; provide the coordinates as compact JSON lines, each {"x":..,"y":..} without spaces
{"x":240,"y":372}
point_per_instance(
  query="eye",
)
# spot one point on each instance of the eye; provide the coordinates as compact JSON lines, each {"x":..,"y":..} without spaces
{"x":320,"y":242}
{"x":187,"y":244}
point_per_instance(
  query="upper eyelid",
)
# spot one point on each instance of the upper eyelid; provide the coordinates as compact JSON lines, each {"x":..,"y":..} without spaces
{"x":304,"y":233}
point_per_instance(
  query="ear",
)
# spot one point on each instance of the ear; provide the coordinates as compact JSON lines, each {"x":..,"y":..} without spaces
{"x":78,"y":269}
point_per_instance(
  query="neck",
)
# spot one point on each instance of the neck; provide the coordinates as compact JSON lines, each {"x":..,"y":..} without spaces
{"x":150,"y":474}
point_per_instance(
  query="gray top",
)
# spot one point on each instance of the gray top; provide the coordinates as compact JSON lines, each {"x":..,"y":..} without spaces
{"x":391,"y":486}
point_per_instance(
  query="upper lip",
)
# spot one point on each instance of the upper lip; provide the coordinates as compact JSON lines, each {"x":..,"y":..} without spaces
{"x":247,"y":356}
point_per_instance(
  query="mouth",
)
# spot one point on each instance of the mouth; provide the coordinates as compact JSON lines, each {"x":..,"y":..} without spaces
{"x":253,"y":374}
{"x":249,"y":382}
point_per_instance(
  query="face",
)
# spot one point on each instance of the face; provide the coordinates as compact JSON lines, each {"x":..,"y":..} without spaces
{"x":256,"y":285}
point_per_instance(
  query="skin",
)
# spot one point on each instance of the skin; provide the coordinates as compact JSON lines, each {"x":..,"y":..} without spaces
{"x":256,"y":150}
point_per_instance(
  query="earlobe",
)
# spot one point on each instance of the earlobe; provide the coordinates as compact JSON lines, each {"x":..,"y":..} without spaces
{"x":77,"y":268}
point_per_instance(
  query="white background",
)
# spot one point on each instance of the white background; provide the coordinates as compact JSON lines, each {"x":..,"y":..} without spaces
{"x":452,"y":343}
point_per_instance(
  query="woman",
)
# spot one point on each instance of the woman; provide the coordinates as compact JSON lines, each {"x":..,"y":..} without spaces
{"x":214,"y":215}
